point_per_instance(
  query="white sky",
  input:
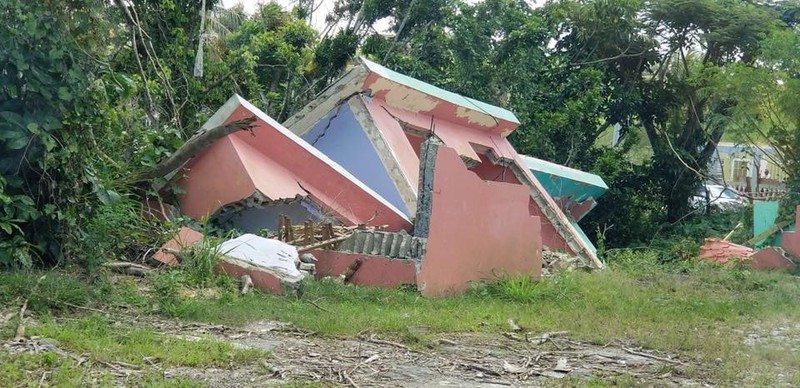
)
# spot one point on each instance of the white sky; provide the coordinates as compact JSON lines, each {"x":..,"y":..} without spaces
{"x":325,"y":7}
{"x":317,"y":19}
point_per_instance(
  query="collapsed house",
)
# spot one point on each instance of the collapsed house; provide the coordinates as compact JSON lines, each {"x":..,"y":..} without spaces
{"x":433,"y":193}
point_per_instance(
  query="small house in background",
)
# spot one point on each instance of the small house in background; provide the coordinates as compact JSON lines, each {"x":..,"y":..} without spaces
{"x":750,"y":169}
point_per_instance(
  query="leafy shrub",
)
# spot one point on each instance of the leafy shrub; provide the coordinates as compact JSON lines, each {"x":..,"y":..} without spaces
{"x":115,"y":231}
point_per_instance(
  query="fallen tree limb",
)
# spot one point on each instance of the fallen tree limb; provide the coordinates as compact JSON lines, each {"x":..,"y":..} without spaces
{"x":128,"y":268}
{"x":650,"y":356}
{"x":191,"y":148}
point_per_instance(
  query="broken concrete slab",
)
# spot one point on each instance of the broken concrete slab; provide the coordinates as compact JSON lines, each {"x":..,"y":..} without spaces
{"x":185,"y":238}
{"x":771,"y":258}
{"x":271,"y":264}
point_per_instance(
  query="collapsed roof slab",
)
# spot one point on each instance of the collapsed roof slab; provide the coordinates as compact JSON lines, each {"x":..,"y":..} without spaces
{"x":272,"y":163}
{"x":575,"y":190}
{"x":403,"y":92}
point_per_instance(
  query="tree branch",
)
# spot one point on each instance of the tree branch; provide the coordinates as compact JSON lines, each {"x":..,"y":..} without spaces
{"x":192,"y":147}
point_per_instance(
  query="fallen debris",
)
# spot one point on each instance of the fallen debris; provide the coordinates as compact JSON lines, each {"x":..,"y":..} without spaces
{"x":247,"y":284}
{"x":167,"y":254}
{"x":128,"y":268}
{"x":720,"y":251}
{"x":554,"y":262}
{"x":272,"y":265}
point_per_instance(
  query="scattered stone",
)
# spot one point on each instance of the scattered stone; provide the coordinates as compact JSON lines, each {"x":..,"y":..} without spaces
{"x":308,"y":258}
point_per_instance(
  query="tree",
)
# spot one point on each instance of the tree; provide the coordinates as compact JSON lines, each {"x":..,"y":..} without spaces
{"x":664,"y":58}
{"x":62,"y":110}
{"x":767,"y":111}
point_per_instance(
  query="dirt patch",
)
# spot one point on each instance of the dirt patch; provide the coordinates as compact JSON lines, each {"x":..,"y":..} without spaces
{"x":439,"y":360}
{"x":452,"y":360}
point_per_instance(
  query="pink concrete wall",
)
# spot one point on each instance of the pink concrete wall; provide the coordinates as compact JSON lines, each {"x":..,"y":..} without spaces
{"x":373,"y":271}
{"x":463,"y":140}
{"x":477,"y":230}
{"x":262,"y":280}
{"x":204,"y":191}
{"x":791,"y":240}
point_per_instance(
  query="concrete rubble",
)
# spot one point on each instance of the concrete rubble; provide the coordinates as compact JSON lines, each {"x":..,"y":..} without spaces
{"x":384,"y":180}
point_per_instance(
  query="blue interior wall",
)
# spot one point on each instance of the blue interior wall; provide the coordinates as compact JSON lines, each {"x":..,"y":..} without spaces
{"x":254,"y":219}
{"x":341,"y":138}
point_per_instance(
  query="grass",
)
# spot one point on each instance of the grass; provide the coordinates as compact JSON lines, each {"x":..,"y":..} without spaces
{"x":107,"y":341}
{"x":101,"y":341}
{"x":98,"y":337}
{"x":683,"y":308}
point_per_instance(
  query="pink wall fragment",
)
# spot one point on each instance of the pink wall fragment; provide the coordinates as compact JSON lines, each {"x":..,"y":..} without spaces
{"x":478,"y":230}
{"x":770,"y":258}
{"x":373,"y":271}
{"x":791,"y":240}
{"x":263,"y":280}
{"x":183,"y":239}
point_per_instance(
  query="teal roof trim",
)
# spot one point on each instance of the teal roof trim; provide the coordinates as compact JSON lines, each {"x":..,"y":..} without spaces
{"x":457,"y":99}
{"x":543,"y":166}
{"x":584,"y":237}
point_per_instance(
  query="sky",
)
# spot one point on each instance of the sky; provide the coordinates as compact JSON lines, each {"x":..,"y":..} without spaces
{"x":325,"y":7}
{"x":317,"y":19}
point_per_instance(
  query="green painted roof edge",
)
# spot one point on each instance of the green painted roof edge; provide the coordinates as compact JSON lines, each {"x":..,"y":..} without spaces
{"x":457,"y":99}
{"x":534,"y":164}
{"x":584,"y":237}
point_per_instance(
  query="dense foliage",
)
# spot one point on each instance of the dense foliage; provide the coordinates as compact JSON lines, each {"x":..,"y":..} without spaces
{"x":94,"y":91}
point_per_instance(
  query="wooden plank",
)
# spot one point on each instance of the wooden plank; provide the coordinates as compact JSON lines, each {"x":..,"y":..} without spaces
{"x":769,"y":232}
